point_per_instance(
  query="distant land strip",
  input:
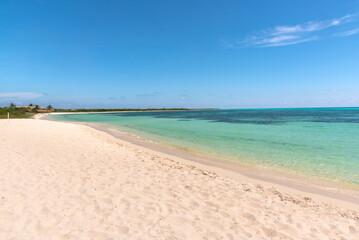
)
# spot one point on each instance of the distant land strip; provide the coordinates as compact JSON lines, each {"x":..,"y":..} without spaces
{"x":30,"y":111}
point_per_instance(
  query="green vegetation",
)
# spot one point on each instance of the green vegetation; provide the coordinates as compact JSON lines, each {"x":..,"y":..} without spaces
{"x":120,"y":109}
{"x":16,"y":112}
{"x":31,"y":110}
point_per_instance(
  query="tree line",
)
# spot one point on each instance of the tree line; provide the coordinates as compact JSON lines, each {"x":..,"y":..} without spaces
{"x":31,"y":110}
{"x":49,"y":107}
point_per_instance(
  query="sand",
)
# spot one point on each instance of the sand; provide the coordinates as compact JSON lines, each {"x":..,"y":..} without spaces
{"x":69,"y":181}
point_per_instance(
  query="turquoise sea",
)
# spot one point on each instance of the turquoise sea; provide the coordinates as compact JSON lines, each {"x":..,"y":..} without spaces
{"x":321,"y":142}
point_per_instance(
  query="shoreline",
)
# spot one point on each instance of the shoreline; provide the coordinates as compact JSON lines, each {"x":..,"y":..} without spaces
{"x":142,"y":110}
{"x":326,"y":190}
{"x":70,"y":181}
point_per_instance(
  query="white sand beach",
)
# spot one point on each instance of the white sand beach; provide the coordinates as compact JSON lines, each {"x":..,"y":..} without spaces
{"x":69,"y":181}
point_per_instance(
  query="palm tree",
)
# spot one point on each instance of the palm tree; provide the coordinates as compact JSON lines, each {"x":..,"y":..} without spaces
{"x":12,"y":105}
{"x":30,"y":105}
{"x":49,"y":107}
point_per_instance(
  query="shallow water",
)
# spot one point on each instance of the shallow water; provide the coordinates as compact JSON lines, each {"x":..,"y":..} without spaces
{"x":322,"y":142}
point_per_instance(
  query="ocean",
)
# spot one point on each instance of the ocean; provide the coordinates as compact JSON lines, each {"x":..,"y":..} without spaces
{"x":320,"y":142}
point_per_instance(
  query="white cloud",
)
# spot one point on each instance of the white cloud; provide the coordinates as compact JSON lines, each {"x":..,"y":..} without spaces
{"x":226,"y":44}
{"x":311,"y":26}
{"x":348,"y":33}
{"x":289,"y":35}
{"x":285,"y":43}
{"x":21,"y":95}
{"x":277,"y":39}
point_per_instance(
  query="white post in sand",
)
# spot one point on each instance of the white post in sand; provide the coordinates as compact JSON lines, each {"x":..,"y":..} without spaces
{"x":8,"y":117}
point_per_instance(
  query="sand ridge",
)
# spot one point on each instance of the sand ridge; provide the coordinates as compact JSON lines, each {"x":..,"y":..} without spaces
{"x":67,"y":181}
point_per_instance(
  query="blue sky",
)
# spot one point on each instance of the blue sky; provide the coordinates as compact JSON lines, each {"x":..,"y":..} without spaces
{"x":227,"y":54}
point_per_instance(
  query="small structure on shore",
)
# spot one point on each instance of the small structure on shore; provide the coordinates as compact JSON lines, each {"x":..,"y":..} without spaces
{"x":36,"y":108}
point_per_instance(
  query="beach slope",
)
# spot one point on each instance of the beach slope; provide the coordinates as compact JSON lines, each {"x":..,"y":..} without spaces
{"x":69,"y":181}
